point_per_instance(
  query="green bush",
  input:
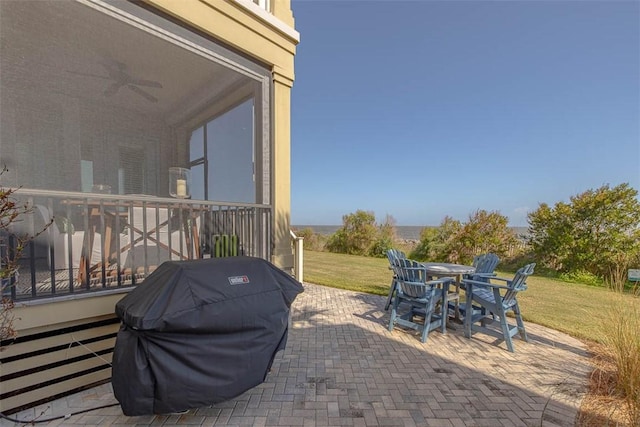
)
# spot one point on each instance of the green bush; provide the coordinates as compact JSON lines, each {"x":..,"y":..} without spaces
{"x":581,"y":276}
{"x":428,"y":246}
{"x":356,"y":236}
{"x":385,"y":239}
{"x":512,"y":264}
{"x":592,"y":232}
{"x":312,"y":241}
{"x":458,"y":242}
{"x":381,"y":246}
{"x":360,"y":235}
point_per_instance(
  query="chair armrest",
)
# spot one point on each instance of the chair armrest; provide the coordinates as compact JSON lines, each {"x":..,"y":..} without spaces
{"x":418,"y":289}
{"x":507,"y":281}
{"x":488,"y":275}
{"x":443,"y":281}
{"x":484,"y":284}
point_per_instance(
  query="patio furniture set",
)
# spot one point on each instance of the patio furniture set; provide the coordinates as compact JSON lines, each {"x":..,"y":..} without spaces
{"x":422,"y":295}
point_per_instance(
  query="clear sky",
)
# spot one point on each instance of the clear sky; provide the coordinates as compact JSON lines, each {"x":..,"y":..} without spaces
{"x":421,"y":109}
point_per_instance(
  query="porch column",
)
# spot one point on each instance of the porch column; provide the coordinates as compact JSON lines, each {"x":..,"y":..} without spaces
{"x":282,"y":253}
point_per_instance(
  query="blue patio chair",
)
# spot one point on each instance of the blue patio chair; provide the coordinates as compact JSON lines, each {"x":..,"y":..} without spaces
{"x":485,"y":265}
{"x":488,"y":302}
{"x":422,"y":295}
{"x":393,"y":255}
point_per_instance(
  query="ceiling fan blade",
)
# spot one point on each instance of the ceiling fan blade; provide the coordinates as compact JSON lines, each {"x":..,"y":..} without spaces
{"x":142,"y":82}
{"x":112,"y":89}
{"x":78,"y":73}
{"x":142,"y":93}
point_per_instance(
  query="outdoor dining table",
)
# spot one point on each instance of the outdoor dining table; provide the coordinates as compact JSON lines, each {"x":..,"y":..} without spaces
{"x":442,"y":269}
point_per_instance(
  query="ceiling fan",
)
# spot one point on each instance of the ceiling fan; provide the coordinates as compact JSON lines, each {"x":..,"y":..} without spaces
{"x":117,"y":72}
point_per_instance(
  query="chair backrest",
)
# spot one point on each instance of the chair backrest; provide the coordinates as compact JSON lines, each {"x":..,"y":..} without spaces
{"x":412,"y":277}
{"x":395,"y":254}
{"x":519,"y":283}
{"x":486,"y":263}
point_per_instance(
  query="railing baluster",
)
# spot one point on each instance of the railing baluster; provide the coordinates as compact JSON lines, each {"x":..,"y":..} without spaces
{"x":241,"y":228}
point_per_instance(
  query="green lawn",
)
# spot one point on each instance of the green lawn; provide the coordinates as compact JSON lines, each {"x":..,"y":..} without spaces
{"x":575,"y":309}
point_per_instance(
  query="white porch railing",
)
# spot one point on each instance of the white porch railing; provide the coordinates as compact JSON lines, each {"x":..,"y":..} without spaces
{"x":98,"y":242}
{"x":298,"y":256}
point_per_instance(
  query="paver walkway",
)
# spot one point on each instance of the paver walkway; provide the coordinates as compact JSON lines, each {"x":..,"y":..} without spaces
{"x":342,"y":367}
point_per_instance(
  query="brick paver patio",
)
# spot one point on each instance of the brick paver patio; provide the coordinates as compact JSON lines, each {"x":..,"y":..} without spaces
{"x":342,"y":367}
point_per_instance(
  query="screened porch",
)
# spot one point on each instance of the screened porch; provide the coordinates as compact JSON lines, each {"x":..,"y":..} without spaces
{"x":100,"y":100}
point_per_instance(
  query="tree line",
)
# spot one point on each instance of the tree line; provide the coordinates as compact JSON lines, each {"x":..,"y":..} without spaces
{"x":594,"y":235}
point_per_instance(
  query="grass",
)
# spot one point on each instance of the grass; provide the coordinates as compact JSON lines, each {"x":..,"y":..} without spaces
{"x":608,"y":321}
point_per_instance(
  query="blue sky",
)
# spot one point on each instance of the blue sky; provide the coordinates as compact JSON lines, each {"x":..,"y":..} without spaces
{"x":421,"y":109}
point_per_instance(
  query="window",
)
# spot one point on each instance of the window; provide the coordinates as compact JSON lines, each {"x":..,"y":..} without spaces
{"x":222,"y":156}
{"x":131,"y":172}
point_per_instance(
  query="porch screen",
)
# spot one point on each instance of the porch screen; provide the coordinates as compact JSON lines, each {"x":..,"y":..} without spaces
{"x":97,"y":93}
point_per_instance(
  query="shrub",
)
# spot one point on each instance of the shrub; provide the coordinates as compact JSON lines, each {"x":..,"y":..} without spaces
{"x":360,"y":235}
{"x":11,"y":211}
{"x":312,"y":241}
{"x":427,"y":246}
{"x":381,"y":246}
{"x":581,"y":276}
{"x":386,"y":238}
{"x":484,"y":232}
{"x":454,"y":241}
{"x":590,"y":233}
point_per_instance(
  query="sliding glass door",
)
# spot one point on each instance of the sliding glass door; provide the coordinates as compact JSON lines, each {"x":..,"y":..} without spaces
{"x":222,"y":156}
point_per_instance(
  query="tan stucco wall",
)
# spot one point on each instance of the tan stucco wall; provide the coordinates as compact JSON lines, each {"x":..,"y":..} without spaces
{"x":235,"y":25}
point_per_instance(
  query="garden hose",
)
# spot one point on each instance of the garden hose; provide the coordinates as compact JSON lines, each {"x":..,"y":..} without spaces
{"x":46,"y":420}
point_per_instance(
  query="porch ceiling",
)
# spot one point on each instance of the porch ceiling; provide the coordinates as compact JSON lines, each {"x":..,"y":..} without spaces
{"x":69,"y":48}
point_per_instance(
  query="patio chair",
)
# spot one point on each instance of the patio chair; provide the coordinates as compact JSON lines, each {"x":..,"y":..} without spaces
{"x":422,"y":296}
{"x":485,"y":265}
{"x":488,"y":302}
{"x":393,"y":255}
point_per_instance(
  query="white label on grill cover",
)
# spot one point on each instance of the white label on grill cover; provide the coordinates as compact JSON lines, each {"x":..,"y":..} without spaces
{"x":238,"y":280}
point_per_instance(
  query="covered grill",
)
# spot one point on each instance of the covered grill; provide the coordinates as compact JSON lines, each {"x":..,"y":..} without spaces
{"x":199,"y":332}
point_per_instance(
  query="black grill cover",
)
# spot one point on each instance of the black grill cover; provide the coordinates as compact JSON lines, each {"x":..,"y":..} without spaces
{"x":199,"y":332}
